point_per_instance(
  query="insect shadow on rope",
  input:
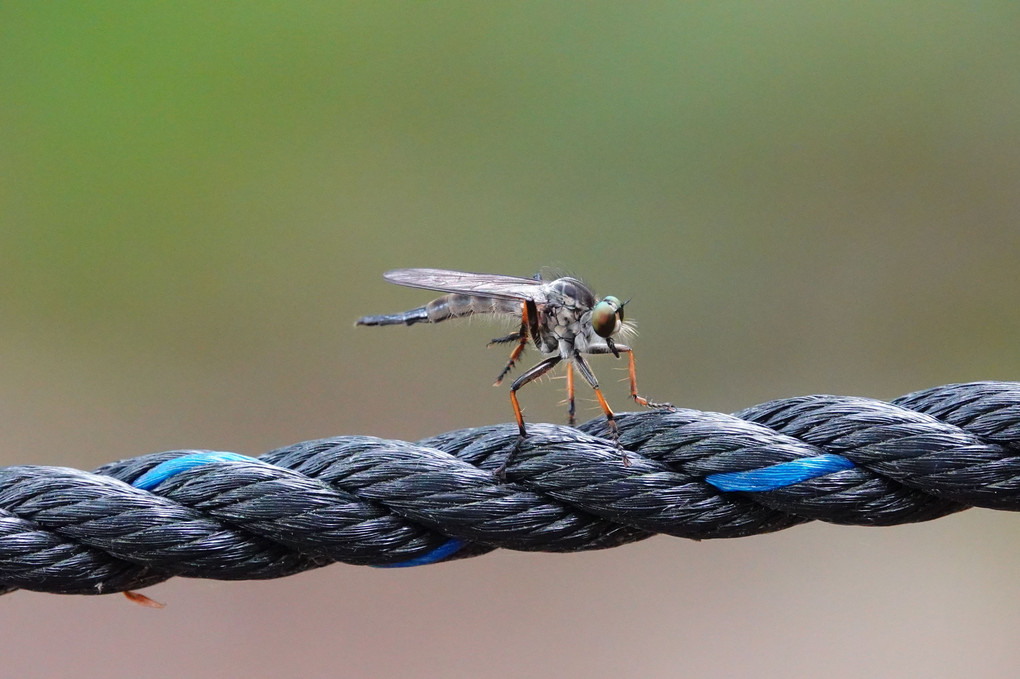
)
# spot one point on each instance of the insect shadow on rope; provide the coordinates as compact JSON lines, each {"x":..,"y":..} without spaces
{"x":561,"y":316}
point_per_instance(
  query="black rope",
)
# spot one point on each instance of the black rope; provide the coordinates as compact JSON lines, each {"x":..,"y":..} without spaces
{"x":364,"y":500}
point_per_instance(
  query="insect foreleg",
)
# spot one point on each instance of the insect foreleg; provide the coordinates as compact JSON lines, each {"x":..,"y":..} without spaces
{"x":632,"y":373}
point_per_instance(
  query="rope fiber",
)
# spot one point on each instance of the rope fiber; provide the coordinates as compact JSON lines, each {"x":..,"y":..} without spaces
{"x":369,"y":501}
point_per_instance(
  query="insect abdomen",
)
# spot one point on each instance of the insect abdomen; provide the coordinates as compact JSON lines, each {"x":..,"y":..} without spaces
{"x":448,"y":306}
{"x":411,"y":317}
{"x":458,"y":306}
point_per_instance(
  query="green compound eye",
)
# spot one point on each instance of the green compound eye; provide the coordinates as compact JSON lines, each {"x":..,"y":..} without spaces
{"x":607,"y":316}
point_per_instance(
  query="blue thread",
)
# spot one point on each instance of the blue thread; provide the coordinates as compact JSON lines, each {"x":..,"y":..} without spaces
{"x":780,"y":475}
{"x":165,"y":470}
{"x":170,"y":468}
{"x":448,"y":548}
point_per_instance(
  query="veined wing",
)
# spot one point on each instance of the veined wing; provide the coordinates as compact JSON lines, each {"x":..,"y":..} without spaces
{"x":479,"y":284}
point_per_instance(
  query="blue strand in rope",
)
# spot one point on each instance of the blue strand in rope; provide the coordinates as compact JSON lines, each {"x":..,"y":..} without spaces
{"x":170,"y":468}
{"x":754,"y":480}
{"x":165,"y":470}
{"x":443,"y":551}
{"x":780,"y":475}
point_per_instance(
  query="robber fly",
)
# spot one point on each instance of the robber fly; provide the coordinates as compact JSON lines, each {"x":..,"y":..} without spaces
{"x":562,"y":317}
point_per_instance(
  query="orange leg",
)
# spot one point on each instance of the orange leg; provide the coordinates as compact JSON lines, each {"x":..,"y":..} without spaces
{"x":521,"y":336}
{"x":614,"y":428}
{"x":514,"y":355}
{"x":570,"y":394}
{"x":632,"y":372}
{"x":518,"y":414}
{"x":640,"y":400}
{"x":532,"y":374}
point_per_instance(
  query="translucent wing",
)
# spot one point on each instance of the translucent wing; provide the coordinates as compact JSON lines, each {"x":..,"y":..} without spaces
{"x":480,"y":284}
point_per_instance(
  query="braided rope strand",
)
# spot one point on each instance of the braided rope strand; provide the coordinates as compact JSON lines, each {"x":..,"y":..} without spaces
{"x":369,"y":501}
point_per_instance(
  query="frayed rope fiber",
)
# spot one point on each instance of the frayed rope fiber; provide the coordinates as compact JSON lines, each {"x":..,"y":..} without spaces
{"x":369,"y":501}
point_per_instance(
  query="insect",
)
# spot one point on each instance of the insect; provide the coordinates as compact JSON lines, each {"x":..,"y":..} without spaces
{"x":562,"y":317}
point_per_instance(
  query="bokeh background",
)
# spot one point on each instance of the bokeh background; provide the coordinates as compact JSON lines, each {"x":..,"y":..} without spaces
{"x":198,"y":199}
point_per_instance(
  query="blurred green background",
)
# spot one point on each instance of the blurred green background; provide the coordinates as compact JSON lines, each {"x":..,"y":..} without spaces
{"x":198,"y":199}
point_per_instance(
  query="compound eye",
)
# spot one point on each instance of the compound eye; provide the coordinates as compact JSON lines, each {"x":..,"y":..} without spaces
{"x":618,"y":304}
{"x":606,"y":317}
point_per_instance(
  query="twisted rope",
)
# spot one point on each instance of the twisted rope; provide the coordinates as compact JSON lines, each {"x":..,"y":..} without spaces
{"x":364,"y":500}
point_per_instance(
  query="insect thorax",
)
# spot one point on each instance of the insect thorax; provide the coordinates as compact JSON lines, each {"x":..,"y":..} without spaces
{"x":565,"y":314}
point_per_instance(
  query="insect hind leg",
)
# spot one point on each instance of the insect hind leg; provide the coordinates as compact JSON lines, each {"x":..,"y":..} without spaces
{"x":530,"y":375}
